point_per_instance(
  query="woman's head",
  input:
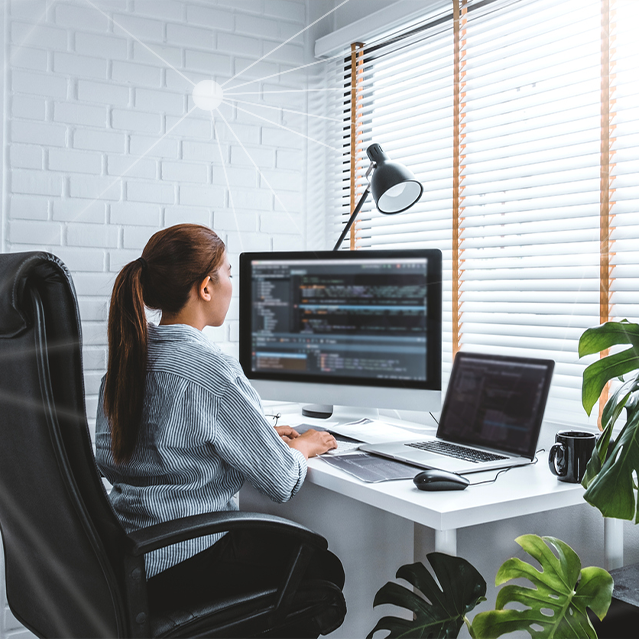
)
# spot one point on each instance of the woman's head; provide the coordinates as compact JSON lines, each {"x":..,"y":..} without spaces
{"x":176,"y":263}
{"x":176,"y":259}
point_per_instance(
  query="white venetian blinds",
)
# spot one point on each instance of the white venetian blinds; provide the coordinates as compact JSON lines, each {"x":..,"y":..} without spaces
{"x":520,"y":118}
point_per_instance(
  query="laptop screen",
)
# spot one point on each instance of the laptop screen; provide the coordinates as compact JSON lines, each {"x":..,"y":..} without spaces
{"x":496,"y":402}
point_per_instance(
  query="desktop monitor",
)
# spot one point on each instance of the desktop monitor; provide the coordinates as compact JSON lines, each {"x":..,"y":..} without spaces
{"x":356,"y":328}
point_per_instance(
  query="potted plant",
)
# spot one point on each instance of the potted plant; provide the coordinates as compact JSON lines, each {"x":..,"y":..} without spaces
{"x":556,"y":606}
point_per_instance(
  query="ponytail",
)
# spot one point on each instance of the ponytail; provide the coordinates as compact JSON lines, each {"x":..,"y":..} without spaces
{"x":126,"y":372}
{"x":173,"y":260}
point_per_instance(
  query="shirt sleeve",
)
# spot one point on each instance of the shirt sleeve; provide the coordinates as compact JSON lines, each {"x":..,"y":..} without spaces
{"x":247,"y":441}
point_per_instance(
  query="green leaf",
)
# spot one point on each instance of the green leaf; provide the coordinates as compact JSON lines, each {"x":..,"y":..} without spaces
{"x":594,"y":591}
{"x":593,"y":467}
{"x":556,"y":606}
{"x":440,"y":609}
{"x":625,"y":396}
{"x":612,"y":490}
{"x":600,"y":338}
{"x":599,"y":373}
{"x":618,"y":401}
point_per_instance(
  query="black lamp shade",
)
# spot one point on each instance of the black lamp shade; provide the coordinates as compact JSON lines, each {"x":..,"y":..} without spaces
{"x":393,"y":186}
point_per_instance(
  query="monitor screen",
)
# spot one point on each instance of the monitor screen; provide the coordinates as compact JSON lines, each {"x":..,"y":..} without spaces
{"x":357,"y":318}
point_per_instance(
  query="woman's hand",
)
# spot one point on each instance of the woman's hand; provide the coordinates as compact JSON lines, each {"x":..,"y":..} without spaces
{"x":313,"y":442}
{"x":287,"y":433}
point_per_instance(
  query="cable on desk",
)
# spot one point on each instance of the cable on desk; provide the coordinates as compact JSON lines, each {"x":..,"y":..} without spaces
{"x":505,"y":470}
{"x":493,"y":480}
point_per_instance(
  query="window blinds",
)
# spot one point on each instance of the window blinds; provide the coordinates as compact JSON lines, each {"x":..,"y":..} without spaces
{"x":521,"y":119}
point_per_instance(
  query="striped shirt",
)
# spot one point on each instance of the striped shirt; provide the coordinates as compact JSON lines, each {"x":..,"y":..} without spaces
{"x":203,"y":434}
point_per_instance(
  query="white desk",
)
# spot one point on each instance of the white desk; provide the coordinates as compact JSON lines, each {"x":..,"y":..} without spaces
{"x":371,"y":527}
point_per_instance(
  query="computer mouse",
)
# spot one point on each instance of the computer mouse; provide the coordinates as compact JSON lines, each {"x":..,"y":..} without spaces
{"x":440,"y":480}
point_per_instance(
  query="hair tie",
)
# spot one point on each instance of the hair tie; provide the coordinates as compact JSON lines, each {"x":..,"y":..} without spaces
{"x":142,"y":262}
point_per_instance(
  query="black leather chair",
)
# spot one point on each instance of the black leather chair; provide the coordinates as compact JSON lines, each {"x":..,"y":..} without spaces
{"x":71,"y":570}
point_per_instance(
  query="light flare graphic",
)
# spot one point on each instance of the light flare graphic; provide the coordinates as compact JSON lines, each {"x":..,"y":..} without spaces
{"x":209,"y":96}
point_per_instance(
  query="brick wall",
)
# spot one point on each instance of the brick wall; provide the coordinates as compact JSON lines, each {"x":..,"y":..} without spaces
{"x":103,"y":147}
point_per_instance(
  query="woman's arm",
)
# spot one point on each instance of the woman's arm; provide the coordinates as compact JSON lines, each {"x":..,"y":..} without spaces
{"x":245,"y":440}
{"x":311,"y":443}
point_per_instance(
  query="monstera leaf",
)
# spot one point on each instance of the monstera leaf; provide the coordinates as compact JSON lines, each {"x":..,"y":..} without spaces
{"x":613,"y":490}
{"x":441,"y":611}
{"x":609,"y":475}
{"x":595,"y":340}
{"x":556,"y":606}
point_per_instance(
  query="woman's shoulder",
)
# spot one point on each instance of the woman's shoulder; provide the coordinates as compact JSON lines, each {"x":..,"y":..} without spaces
{"x":185,"y":352}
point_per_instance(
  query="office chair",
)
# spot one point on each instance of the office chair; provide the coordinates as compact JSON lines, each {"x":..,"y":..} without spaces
{"x":71,"y":569}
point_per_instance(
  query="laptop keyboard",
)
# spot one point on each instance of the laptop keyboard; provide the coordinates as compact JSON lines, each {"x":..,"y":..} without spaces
{"x":451,"y":450}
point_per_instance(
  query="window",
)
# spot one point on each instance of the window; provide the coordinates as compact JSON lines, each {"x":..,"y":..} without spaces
{"x":521,"y":120}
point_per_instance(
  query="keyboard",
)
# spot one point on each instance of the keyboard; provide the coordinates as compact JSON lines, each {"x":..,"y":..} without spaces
{"x":344,"y":445}
{"x":451,"y":450}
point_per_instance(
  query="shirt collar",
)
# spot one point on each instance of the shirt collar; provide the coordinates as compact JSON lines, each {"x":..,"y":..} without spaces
{"x":177,"y":332}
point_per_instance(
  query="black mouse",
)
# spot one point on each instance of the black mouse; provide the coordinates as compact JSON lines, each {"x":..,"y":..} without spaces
{"x":440,"y":480}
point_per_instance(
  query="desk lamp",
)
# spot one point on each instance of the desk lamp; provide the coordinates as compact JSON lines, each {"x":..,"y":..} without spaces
{"x":394,"y":187}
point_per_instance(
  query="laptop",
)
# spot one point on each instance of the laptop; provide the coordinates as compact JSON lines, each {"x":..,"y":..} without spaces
{"x":491,"y":416}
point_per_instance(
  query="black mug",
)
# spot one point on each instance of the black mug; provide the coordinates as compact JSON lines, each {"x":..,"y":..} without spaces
{"x":569,"y":456}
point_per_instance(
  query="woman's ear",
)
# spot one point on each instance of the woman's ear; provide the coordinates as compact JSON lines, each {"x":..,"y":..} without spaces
{"x":204,"y":289}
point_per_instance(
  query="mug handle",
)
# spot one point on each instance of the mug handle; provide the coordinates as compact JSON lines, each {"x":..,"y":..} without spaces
{"x":557,"y":460}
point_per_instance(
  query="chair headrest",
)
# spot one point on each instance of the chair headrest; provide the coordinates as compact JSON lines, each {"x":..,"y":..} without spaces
{"x":16,"y":271}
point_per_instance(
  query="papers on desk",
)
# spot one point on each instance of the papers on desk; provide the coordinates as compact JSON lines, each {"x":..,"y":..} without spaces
{"x":372,"y":431}
{"x":370,"y":468}
{"x":366,"y":467}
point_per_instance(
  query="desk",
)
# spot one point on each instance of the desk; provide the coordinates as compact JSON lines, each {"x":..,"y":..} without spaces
{"x":375,"y":528}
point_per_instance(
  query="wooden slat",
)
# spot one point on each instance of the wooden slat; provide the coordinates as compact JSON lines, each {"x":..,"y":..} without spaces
{"x":459,"y":95}
{"x":606,"y":178}
{"x":357,"y":61}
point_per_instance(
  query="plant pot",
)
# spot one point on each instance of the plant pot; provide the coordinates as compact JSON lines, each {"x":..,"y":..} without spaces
{"x":622,"y":619}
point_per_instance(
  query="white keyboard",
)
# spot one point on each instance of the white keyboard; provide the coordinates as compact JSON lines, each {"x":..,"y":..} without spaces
{"x":344,"y":447}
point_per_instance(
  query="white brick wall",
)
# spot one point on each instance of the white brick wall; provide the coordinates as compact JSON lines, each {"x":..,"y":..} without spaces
{"x":91,"y":172}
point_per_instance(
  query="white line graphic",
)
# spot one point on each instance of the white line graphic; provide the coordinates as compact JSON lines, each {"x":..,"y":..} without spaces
{"x":119,"y":178}
{"x":257,"y":168}
{"x":232,"y":93}
{"x":272,"y":106}
{"x":226,"y":177}
{"x":279,"y":46}
{"x":157,"y":55}
{"x":281,"y":126}
{"x":274,"y":75}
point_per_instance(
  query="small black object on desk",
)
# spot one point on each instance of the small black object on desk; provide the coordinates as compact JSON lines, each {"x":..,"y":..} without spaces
{"x":440,"y":480}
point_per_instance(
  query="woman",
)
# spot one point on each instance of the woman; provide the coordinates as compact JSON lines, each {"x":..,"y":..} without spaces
{"x":179,"y":427}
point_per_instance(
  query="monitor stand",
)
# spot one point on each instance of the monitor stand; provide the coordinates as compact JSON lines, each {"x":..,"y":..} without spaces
{"x":325,"y":411}
{"x":318,"y":411}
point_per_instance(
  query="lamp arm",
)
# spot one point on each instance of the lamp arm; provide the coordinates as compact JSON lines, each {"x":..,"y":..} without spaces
{"x":352,"y":218}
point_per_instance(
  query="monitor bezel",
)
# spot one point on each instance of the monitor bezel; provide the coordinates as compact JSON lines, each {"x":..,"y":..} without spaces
{"x":434,"y":318}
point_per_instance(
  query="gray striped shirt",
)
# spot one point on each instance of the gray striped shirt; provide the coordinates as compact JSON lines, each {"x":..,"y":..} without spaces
{"x":203,"y":434}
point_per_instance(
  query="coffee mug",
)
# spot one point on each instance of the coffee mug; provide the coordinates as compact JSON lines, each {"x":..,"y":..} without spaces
{"x":569,"y":456}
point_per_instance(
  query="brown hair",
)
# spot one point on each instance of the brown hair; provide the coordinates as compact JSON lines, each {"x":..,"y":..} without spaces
{"x":173,"y":260}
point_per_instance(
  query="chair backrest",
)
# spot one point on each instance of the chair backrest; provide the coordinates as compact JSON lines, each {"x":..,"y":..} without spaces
{"x":63,"y":544}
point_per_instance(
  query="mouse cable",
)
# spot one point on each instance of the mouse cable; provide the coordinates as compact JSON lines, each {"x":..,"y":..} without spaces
{"x":493,"y":480}
{"x":505,"y":470}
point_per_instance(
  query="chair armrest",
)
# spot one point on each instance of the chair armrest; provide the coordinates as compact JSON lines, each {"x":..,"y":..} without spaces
{"x":172,"y":532}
